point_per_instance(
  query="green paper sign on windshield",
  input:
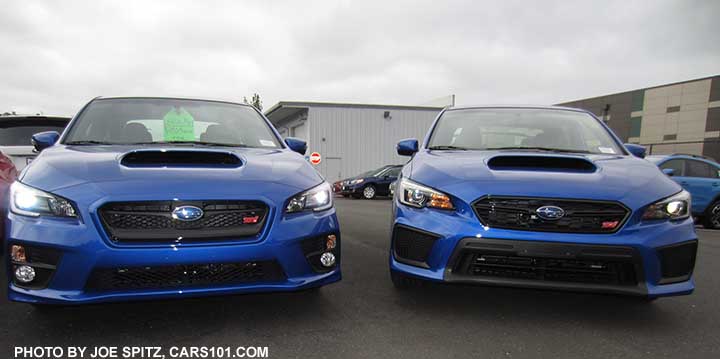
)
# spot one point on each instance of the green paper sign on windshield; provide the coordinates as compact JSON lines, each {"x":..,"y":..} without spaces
{"x":179,"y":125}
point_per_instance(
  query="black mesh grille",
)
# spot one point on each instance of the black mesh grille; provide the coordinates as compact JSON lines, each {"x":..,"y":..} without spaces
{"x":581,"y":216}
{"x":152,"y":221}
{"x":552,"y":269}
{"x":412,"y":246}
{"x":677,"y":262}
{"x":191,"y":275}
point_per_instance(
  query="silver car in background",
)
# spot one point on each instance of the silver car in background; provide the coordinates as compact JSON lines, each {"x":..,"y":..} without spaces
{"x":16,"y":131}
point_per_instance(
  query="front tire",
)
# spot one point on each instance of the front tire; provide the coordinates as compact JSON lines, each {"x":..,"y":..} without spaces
{"x":369,"y":192}
{"x":711,"y":218}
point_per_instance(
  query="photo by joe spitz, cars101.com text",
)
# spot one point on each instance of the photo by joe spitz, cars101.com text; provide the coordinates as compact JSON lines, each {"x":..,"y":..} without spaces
{"x":225,"y":179}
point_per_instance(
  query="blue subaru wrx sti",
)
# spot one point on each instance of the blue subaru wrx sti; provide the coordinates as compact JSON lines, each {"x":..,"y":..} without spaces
{"x":145,"y":198}
{"x":538,"y":197}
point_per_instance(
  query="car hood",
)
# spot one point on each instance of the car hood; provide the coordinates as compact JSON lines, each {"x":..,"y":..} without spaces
{"x":102,"y":170}
{"x":470,"y":175}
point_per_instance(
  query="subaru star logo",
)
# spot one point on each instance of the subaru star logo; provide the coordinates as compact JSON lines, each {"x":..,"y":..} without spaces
{"x":187,"y":213}
{"x":550,"y":213}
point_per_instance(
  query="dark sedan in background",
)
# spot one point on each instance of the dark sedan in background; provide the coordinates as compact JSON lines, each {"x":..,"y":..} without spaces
{"x":369,"y":184}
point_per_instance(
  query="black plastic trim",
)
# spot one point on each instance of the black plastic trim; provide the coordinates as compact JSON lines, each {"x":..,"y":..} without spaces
{"x":44,"y":265}
{"x":547,"y":250}
{"x":411,"y":262}
{"x":676,"y":279}
{"x":628,"y":213}
{"x":186,"y":230}
{"x":314,"y":247}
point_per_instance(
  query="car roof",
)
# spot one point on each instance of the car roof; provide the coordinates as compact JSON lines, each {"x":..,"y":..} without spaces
{"x":34,"y":117}
{"x":541,"y":107}
{"x":171,"y":98}
{"x":657,"y":158}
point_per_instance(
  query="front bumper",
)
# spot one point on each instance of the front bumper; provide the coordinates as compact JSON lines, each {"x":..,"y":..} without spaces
{"x":347,"y":190}
{"x":84,"y":249}
{"x":454,"y":247}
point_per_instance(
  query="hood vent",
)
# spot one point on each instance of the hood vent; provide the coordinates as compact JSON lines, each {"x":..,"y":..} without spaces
{"x":541,"y":163}
{"x":173,"y":158}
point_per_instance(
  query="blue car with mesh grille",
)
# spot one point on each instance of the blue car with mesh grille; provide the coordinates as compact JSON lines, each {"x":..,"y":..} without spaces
{"x":538,"y":197}
{"x":150,"y":198}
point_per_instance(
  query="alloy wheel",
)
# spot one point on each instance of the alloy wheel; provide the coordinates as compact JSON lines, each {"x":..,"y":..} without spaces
{"x":369,"y":192}
{"x":715,"y":216}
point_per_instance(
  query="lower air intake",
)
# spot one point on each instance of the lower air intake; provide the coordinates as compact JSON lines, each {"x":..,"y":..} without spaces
{"x":677,"y":262}
{"x":182,"y":276}
{"x":412,"y":246}
{"x":553,"y":269}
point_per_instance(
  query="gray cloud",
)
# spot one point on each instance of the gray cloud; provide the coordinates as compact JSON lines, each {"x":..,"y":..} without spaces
{"x":58,"y":55}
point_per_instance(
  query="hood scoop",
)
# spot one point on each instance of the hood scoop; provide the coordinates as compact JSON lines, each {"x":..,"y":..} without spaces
{"x":180,"y":158}
{"x":541,"y":163}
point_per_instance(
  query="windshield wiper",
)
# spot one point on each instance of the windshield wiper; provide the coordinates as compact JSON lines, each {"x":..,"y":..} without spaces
{"x":202,"y":143}
{"x":89,"y":142}
{"x":458,"y":148}
{"x":546,"y":149}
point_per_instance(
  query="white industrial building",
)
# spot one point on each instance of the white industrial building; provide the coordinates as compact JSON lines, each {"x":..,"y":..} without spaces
{"x":352,"y":138}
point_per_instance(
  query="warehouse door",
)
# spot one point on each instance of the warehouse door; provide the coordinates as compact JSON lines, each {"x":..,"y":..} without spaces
{"x":332,"y":169}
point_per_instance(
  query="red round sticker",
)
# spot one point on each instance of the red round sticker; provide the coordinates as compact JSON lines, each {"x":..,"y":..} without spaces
{"x":315,"y":158}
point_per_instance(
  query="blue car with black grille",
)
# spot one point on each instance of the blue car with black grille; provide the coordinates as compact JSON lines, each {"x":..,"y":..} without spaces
{"x":538,"y":197}
{"x":149,"y":198}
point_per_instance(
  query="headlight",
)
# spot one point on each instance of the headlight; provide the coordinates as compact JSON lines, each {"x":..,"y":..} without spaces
{"x":417,"y":195}
{"x":357,"y":181}
{"x":673,"y":207}
{"x":29,"y":201}
{"x":317,"y":198}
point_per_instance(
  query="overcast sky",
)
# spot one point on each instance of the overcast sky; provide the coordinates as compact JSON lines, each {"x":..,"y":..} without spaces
{"x":57,"y":55}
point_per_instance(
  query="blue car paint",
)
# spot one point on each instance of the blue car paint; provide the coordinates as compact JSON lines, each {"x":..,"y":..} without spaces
{"x":465,"y":177}
{"x":92,"y":175}
{"x":704,"y":191}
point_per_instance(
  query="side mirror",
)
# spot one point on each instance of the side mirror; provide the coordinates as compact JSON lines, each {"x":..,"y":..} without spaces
{"x":44,"y":140}
{"x":407,"y":147}
{"x":669,"y":171}
{"x":296,"y":144}
{"x":636,"y":150}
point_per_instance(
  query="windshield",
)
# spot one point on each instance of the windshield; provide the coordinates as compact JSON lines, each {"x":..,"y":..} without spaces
{"x":147,"y":121}
{"x":18,"y":132}
{"x":512,"y":128}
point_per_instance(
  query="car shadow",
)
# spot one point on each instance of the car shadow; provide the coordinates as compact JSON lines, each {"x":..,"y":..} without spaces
{"x":353,"y":302}
{"x":260,"y":315}
{"x":537,"y":307}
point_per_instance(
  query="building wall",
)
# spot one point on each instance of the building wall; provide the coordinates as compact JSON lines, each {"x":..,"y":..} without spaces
{"x":354,"y":140}
{"x":295,"y":126}
{"x":675,"y":118}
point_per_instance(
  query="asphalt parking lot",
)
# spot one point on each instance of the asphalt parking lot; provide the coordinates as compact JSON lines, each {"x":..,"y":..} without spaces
{"x":364,"y":316}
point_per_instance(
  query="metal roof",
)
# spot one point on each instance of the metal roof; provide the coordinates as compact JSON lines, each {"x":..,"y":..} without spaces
{"x":641,"y":89}
{"x":284,"y":109}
